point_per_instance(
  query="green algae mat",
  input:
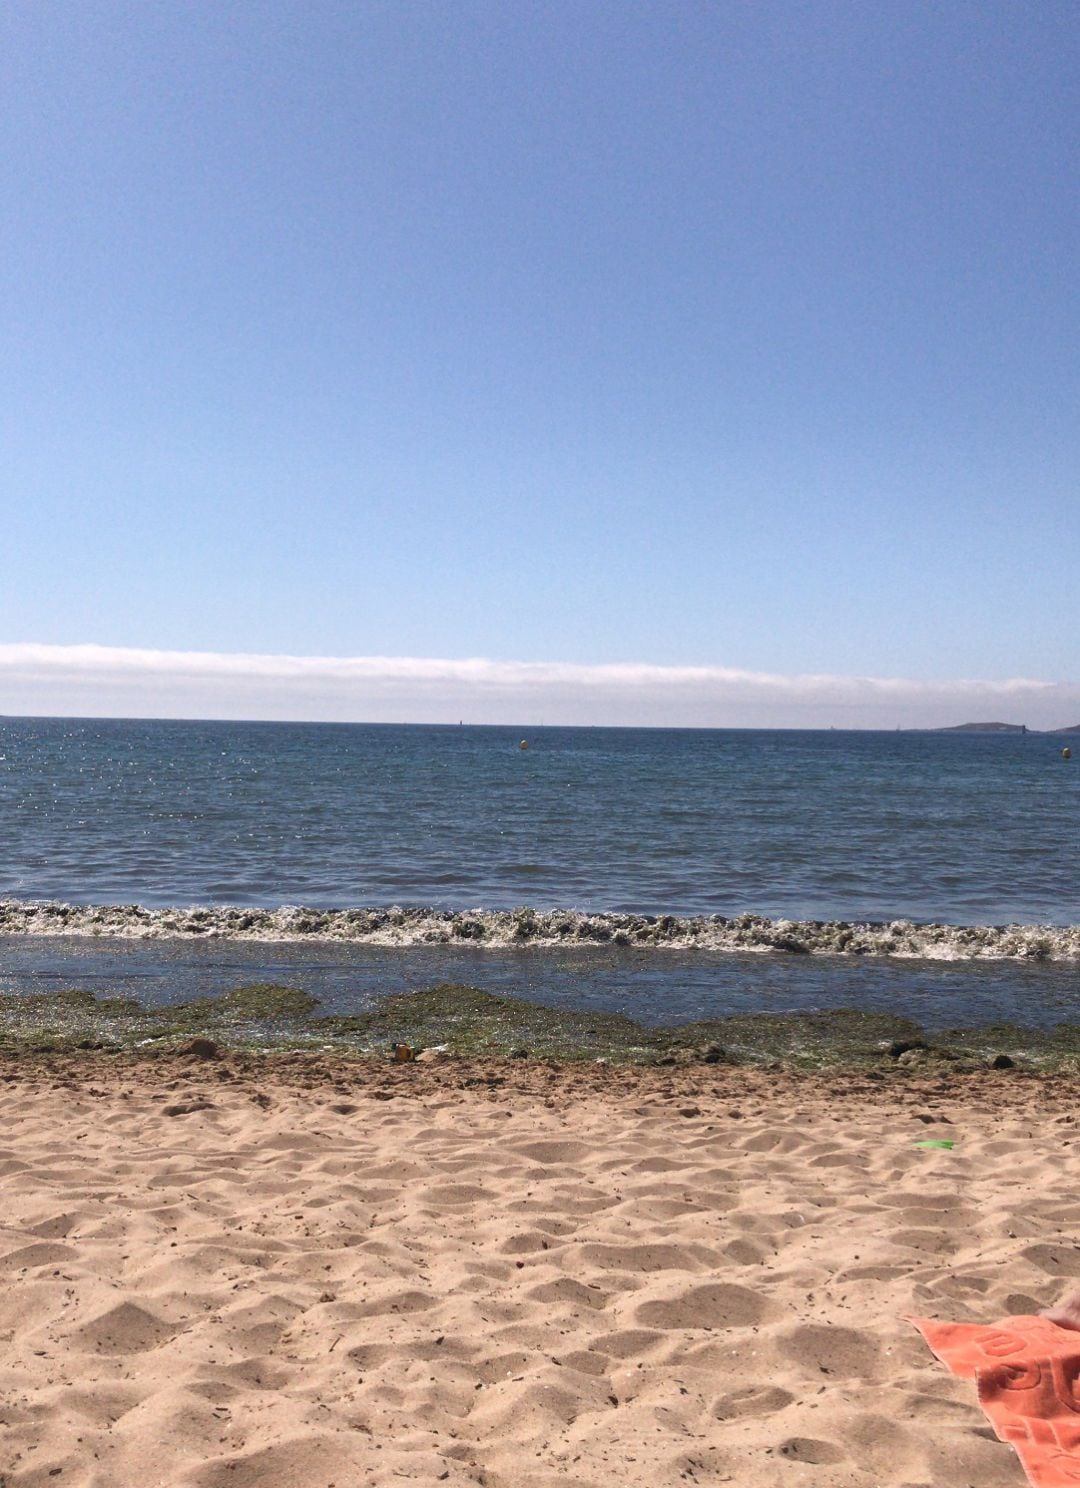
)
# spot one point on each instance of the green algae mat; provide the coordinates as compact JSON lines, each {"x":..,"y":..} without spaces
{"x":469,"y":1021}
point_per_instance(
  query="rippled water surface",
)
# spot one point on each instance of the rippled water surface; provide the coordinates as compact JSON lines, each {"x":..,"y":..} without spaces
{"x":962,"y":828}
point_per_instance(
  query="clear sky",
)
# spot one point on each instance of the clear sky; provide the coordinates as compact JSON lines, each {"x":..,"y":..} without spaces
{"x":680,"y":332}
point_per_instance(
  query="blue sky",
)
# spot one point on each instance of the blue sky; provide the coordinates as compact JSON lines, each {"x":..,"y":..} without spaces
{"x":690,"y":334}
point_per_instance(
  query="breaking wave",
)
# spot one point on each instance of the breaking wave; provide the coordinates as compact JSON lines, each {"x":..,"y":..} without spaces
{"x":541,"y":928}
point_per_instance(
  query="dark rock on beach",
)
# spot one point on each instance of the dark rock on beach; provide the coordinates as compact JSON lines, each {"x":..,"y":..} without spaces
{"x":201,"y":1048}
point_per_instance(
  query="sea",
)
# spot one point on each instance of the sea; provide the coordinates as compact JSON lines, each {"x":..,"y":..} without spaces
{"x":667,"y":873}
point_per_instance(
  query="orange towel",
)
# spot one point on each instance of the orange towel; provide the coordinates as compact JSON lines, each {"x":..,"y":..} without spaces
{"x":1027,"y":1371}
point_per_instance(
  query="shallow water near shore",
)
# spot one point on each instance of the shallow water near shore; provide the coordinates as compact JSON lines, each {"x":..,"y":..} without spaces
{"x":677,"y":987}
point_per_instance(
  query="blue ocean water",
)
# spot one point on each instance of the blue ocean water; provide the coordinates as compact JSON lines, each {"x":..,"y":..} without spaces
{"x":825,"y":824}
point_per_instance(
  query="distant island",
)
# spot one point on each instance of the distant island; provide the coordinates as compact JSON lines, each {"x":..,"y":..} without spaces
{"x":985,"y":728}
{"x":1004,"y":728}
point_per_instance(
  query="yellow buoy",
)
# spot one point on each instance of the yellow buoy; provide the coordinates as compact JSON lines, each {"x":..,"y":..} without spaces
{"x":524,"y":744}
{"x":1066,"y":753}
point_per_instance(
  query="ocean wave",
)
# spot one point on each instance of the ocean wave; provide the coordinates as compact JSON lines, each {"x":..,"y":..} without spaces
{"x":541,"y":928}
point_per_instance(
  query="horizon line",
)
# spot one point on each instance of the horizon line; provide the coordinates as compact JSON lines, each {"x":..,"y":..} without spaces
{"x":990,"y":727}
{"x":94,"y":681}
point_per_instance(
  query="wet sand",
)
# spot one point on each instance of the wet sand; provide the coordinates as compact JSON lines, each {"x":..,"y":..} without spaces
{"x":292,"y":1271}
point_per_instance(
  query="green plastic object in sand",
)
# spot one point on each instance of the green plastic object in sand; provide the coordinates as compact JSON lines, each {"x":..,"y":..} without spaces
{"x":937,"y":1142}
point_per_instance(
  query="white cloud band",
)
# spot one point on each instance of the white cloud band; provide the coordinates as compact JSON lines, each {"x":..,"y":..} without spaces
{"x":98,"y":681}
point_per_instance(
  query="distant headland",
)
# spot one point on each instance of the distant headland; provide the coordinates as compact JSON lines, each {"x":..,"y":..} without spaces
{"x":1004,"y":728}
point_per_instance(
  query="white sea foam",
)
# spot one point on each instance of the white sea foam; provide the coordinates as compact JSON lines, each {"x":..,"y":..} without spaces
{"x":541,"y":928}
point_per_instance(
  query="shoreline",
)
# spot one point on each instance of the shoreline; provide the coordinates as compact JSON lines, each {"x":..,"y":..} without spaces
{"x":203,"y":1062}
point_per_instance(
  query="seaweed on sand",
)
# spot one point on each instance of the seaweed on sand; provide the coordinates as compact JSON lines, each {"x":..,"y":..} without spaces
{"x":469,"y":1021}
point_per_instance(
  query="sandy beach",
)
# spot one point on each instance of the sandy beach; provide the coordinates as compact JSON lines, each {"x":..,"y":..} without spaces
{"x":251,"y":1273}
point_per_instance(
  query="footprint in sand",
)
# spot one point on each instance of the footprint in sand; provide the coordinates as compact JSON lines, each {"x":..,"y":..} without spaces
{"x":752,"y":1400}
{"x":718,"y":1305}
{"x":809,"y":1449}
{"x":124,"y":1329}
{"x":44,"y":1253}
{"x":819,"y":1348}
{"x":1055,"y":1260}
{"x":649,"y":1258}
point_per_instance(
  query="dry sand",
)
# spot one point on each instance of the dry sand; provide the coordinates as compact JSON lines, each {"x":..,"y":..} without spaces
{"x":292,"y":1273}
